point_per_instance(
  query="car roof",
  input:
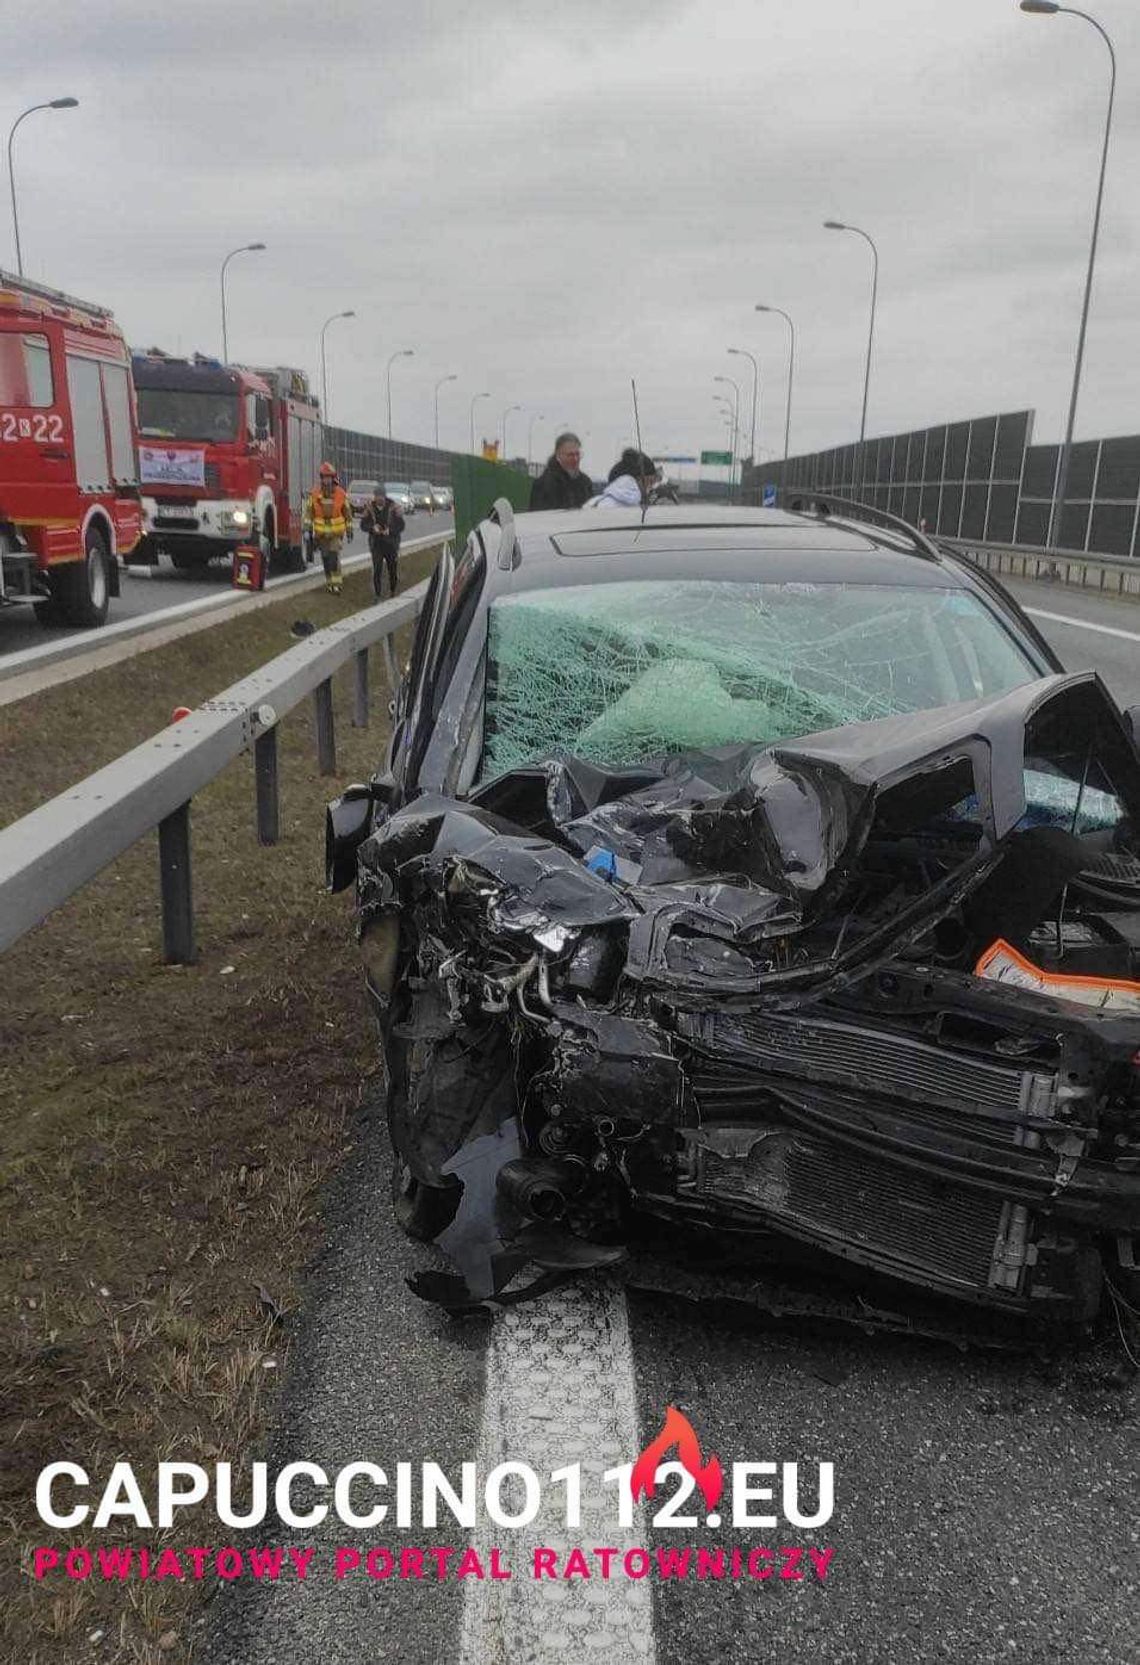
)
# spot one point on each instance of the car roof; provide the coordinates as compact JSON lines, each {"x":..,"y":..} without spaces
{"x":557,"y":548}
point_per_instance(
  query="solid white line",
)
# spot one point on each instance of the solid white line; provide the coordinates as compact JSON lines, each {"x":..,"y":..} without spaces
{"x":1083,"y":624}
{"x":89,"y":641}
{"x":560,"y":1390}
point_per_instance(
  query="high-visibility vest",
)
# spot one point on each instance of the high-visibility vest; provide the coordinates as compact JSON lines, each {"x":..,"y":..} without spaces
{"x":329,"y":518}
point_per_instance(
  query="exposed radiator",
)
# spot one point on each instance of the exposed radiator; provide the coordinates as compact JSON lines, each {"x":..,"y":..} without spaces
{"x":905,"y":1221}
{"x":892,"y":1065}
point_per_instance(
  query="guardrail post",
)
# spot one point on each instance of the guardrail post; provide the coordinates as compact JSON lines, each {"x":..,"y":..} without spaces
{"x":177,"y":891}
{"x":390,"y":670}
{"x":360,"y":691}
{"x":326,"y":734}
{"x":268,"y":802}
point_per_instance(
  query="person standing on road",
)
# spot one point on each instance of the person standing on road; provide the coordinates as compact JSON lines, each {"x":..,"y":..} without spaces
{"x":562,"y":485}
{"x":383,"y":525}
{"x":630,"y":482}
{"x":328,"y":516}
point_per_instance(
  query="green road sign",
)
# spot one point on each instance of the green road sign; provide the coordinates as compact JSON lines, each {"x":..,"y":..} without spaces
{"x":716,"y":459}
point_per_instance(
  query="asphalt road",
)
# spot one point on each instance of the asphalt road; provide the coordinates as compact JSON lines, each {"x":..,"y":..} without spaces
{"x":1088,"y":631}
{"x":985,"y":1503}
{"x":146,"y":591}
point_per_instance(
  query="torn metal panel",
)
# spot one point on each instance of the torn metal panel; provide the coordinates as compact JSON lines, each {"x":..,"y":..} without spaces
{"x":744,"y":991}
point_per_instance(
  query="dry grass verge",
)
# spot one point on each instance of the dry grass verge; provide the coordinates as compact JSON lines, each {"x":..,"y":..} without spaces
{"x":165,"y":1131}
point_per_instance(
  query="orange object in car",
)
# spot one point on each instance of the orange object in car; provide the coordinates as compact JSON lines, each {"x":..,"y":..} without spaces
{"x":1001,"y":963}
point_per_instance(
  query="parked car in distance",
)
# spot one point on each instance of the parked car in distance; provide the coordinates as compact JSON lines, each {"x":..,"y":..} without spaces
{"x":401,"y":494}
{"x":360,"y":493}
{"x":424,"y":495}
{"x":442,"y":498}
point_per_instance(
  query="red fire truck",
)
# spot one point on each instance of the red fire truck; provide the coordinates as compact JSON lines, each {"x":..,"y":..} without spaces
{"x":226,"y":455}
{"x":69,"y":500}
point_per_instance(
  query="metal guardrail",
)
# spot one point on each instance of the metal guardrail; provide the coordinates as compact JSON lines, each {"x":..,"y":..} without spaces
{"x":55,"y":850}
{"x":1114,"y":574}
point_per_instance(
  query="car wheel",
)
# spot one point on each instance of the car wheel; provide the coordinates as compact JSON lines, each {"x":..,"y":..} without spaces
{"x":422,"y":1211}
{"x":82,"y":589}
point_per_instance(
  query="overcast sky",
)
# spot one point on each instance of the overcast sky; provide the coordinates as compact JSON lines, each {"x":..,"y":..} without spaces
{"x":546,"y":199}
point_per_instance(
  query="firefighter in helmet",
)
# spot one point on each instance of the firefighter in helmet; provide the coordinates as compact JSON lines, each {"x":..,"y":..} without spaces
{"x":328,"y":516}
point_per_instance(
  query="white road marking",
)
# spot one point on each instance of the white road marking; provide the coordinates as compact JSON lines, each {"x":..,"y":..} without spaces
{"x":560,"y":1390}
{"x":1084,"y":624}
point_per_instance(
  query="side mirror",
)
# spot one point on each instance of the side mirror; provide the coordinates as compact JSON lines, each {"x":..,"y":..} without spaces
{"x":348,"y":820}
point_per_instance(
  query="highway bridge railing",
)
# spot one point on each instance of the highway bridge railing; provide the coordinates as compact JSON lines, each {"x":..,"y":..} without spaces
{"x":48,"y":855}
{"x":1112,"y":574}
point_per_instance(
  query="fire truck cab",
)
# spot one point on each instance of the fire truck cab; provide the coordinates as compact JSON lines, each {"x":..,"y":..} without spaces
{"x":225,"y":453}
{"x":69,"y":501}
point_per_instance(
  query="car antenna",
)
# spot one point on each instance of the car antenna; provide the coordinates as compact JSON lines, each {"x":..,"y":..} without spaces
{"x":640,"y":452}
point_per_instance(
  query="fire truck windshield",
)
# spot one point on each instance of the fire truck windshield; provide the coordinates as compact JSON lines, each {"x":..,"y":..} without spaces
{"x":25,"y":369}
{"x":169,"y":414}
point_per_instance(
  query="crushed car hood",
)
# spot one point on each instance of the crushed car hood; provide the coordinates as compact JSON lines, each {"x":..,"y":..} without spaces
{"x":569,"y":899}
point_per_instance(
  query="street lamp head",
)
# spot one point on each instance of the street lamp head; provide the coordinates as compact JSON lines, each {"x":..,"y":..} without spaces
{"x":763,"y":309}
{"x":1044,"y":8}
{"x":251,"y":248}
{"x":346,"y":314}
{"x":828,"y":225}
{"x":63,"y":104}
{"x":407,"y":352}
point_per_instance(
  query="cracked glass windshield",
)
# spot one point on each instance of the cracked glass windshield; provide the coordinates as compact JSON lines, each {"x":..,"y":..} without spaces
{"x":620,"y":672}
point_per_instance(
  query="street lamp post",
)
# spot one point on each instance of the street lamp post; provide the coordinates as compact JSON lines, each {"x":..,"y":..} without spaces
{"x":506,"y":413}
{"x":742,"y":352}
{"x":791,"y":374}
{"x":839,"y":225}
{"x":324,"y":364}
{"x":735,"y":386}
{"x":1047,"y":9}
{"x":474,"y":402}
{"x":401,"y":352}
{"x":52,"y":104}
{"x":246,"y":248}
{"x":537,"y":417}
{"x":438,"y":385}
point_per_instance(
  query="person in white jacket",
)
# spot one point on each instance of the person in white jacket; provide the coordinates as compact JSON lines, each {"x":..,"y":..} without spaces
{"x":630,"y":481}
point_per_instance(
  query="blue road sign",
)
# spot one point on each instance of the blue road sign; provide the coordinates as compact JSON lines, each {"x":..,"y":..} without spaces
{"x":769,"y":497}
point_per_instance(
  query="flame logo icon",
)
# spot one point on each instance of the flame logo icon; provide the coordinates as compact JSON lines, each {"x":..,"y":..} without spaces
{"x":678,"y":1431}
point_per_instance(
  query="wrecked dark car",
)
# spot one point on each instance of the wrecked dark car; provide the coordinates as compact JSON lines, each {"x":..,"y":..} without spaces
{"x":755,"y":879}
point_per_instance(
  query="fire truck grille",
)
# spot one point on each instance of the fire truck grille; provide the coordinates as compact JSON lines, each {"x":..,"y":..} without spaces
{"x":213,"y":477}
{"x":901,"y":1221}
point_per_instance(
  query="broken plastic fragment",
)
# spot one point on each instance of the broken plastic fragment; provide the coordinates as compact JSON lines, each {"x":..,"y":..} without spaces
{"x":1001,"y":963}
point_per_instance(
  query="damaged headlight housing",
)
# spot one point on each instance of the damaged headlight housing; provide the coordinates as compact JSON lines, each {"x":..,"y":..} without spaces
{"x":380,"y":951}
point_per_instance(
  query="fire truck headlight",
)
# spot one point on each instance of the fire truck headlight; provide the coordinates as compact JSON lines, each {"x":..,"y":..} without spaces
{"x":241,"y":517}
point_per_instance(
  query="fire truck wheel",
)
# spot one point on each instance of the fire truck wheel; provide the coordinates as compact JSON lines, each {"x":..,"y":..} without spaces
{"x":81,"y":591}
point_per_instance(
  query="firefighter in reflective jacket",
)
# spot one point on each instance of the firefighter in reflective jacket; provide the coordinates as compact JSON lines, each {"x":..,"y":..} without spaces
{"x":328,"y":516}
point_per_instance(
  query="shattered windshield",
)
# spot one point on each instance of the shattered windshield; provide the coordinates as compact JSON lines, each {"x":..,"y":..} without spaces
{"x":621,"y":672}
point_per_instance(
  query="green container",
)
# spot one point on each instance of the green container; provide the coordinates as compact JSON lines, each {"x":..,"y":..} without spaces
{"x":476,"y":484}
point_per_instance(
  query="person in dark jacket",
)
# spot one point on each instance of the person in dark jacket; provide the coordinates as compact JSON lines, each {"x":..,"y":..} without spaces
{"x":383,"y":524}
{"x":562,"y":485}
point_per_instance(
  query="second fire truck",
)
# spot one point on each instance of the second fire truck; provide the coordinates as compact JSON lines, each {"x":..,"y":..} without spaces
{"x":226,"y":455}
{"x":69,"y":498}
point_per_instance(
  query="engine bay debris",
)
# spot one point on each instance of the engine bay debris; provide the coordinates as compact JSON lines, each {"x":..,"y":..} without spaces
{"x":823,"y":1003}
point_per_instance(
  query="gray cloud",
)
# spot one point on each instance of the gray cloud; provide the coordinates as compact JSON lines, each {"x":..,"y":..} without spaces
{"x":547,"y":201}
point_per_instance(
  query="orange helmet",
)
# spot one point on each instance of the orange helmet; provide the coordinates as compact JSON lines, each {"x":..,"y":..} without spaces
{"x":327,"y":468}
